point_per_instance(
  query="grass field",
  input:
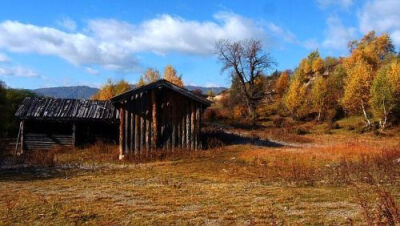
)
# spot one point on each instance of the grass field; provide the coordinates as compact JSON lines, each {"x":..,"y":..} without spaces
{"x":325,"y":179}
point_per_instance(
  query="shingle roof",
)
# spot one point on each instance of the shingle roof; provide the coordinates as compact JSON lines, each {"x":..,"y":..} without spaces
{"x":166,"y":84}
{"x":66,"y":109}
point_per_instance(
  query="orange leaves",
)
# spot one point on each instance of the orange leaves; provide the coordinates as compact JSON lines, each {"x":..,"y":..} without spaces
{"x":171,"y":75}
{"x":111,"y":89}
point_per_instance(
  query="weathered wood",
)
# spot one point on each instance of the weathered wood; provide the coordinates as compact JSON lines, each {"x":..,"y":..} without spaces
{"x":154,"y":119}
{"x":137,"y":132}
{"x":142,"y":124}
{"x":73,"y":134}
{"x":187,"y":132}
{"x":197,"y":136}
{"x":121,"y":133}
{"x":174,"y":122}
{"x":132,"y":128}
{"x":22,"y":136}
{"x":126,"y":132}
{"x":192,"y":125}
{"x":66,"y":109}
{"x":183,"y":137}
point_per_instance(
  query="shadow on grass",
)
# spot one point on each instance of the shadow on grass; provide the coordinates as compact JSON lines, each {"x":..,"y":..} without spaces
{"x":34,"y":173}
{"x":230,"y":138}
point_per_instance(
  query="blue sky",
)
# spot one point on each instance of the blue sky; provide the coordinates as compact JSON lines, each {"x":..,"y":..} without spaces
{"x":64,"y":43}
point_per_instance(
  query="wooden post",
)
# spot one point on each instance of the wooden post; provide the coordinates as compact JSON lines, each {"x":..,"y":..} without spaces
{"x":188,"y":125}
{"x":137,"y":131}
{"x":174,"y":122}
{"x":183,"y":128}
{"x":121,"y":132}
{"x":142,"y":124}
{"x":154,"y":119}
{"x":22,"y":136}
{"x":73,"y":135}
{"x":192,"y":126}
{"x":132,"y":132}
{"x":126,"y":133}
{"x":197,"y":138}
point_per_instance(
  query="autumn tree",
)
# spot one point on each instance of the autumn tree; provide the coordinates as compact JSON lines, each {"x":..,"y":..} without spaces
{"x":111,"y":89}
{"x":319,"y":96}
{"x":171,"y":75}
{"x":366,"y":57}
{"x":385,"y":92}
{"x":247,"y":61}
{"x":282,"y":83}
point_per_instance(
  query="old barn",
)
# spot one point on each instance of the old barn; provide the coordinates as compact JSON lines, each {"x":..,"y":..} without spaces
{"x":159,"y":115}
{"x":49,"y":122}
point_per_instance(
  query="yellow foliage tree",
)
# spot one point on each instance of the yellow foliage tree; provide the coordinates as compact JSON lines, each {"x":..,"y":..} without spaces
{"x":318,"y":65}
{"x":111,"y":89}
{"x":282,"y":83}
{"x":293,"y":98}
{"x":366,"y":58}
{"x":357,"y":89}
{"x":319,"y":95}
{"x":171,"y":75}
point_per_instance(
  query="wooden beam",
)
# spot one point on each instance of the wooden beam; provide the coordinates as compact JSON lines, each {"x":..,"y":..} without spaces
{"x":121,"y":132}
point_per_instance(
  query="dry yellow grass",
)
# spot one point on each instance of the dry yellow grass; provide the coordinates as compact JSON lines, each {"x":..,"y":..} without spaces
{"x":241,"y":184}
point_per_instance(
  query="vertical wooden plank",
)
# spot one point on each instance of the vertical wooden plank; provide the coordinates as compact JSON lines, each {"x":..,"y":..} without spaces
{"x":132,"y":127}
{"x":197,"y":137}
{"x":183,"y":128}
{"x":148,"y":126}
{"x":73,"y":135}
{"x":192,"y":125}
{"x":126,"y":133}
{"x":154,"y":119}
{"x":178,"y":128}
{"x":200,"y":118}
{"x":174,"y":122}
{"x":121,"y":132}
{"x":137,"y":131}
{"x":167,"y":119}
{"x":22,"y":135}
{"x":142,"y":124}
{"x":187,"y":132}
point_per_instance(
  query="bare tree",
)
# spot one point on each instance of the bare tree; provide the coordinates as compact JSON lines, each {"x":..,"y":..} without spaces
{"x":247,"y":61}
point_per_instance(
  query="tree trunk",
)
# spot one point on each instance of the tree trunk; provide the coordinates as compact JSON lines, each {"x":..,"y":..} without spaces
{"x":365,"y":115}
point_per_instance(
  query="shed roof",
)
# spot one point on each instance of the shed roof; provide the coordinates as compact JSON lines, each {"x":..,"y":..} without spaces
{"x":43,"y":108}
{"x":159,"y":84}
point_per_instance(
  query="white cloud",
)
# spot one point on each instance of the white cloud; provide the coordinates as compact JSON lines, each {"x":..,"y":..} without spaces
{"x":381,"y":16}
{"x":112,"y":43}
{"x":284,"y":34}
{"x":67,"y":24}
{"x":342,"y":3}
{"x":18,"y":71}
{"x":3,"y":58}
{"x":166,"y":33}
{"x":91,"y":71}
{"x":338,"y":35}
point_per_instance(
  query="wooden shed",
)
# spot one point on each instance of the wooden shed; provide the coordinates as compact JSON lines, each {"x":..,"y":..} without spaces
{"x":49,"y":122}
{"x":159,"y":115}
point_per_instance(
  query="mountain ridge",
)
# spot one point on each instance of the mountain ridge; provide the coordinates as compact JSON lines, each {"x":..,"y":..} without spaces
{"x":85,"y":92}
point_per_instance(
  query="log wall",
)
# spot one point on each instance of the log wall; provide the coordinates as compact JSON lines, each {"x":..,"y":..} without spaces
{"x":159,"y":119}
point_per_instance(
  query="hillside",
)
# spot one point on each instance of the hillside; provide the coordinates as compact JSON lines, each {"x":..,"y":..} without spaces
{"x":75,"y":92}
{"x":85,"y":92}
